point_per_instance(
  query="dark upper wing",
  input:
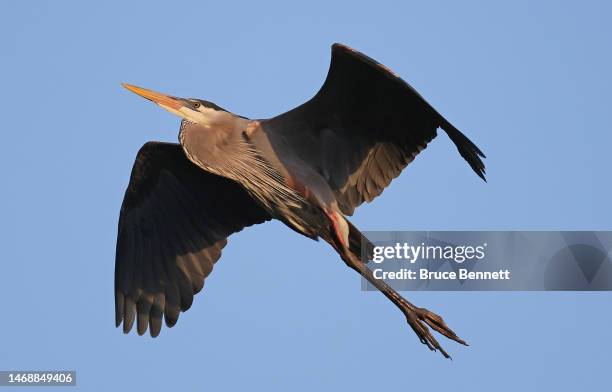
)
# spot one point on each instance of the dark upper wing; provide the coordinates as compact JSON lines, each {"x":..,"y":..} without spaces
{"x":362,"y":128}
{"x":174,"y":221}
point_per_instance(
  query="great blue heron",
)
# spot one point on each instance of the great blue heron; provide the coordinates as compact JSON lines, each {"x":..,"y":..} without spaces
{"x":309,"y":168}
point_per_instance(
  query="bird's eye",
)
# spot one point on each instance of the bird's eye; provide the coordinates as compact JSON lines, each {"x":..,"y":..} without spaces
{"x":196,"y":105}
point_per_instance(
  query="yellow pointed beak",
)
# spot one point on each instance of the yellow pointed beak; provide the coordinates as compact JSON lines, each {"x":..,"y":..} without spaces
{"x":166,"y":101}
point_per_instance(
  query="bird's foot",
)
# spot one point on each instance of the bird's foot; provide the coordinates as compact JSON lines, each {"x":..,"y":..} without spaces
{"x":420,"y":318}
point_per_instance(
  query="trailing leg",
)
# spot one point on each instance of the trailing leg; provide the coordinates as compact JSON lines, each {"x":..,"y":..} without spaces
{"x":418,"y":318}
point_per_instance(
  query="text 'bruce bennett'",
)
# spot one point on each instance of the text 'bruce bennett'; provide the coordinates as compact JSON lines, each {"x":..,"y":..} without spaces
{"x":425,"y":274}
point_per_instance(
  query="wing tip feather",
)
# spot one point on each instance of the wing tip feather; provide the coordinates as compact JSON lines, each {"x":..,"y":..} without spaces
{"x":467,"y":149}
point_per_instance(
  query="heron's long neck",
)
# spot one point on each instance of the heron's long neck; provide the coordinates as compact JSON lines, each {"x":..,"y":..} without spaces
{"x":228,"y":153}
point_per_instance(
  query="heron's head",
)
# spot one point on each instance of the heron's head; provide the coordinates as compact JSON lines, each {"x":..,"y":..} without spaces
{"x":193,"y":110}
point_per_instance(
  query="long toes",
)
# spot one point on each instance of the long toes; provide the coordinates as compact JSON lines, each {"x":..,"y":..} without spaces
{"x":425,"y":335}
{"x":437,"y":323}
{"x":420,"y":332}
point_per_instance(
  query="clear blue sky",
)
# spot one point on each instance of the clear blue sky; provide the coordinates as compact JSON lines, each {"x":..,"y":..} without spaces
{"x":529,"y":82}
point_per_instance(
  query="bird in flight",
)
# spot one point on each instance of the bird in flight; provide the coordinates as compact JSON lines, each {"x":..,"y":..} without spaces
{"x":309,"y":168}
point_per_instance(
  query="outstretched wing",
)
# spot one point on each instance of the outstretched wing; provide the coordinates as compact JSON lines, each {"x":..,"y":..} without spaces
{"x":174,"y":221}
{"x":362,"y":128}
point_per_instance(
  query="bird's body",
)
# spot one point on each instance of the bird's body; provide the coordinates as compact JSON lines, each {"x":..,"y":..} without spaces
{"x":309,"y":168}
{"x":242,"y":153}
